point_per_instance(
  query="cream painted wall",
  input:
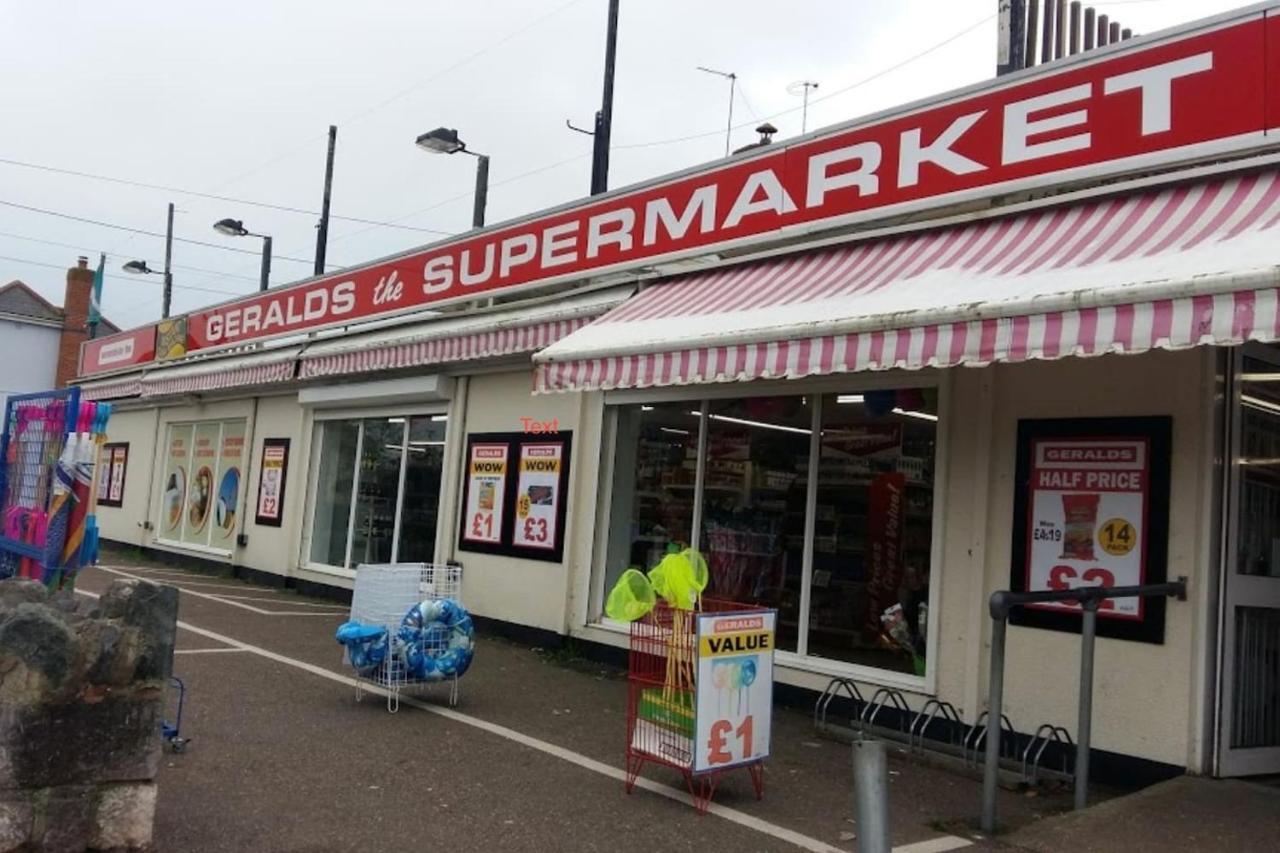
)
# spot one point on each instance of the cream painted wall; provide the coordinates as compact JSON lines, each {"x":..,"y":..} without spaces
{"x":275,"y":549}
{"x":1145,"y":698}
{"x":527,"y":592}
{"x":124,"y":523}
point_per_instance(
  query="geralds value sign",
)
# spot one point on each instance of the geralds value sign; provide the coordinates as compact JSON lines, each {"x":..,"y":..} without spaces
{"x":1189,"y":95}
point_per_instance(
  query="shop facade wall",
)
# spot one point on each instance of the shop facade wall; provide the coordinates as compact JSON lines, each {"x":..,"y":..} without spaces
{"x":125,"y":523}
{"x":531,"y":593}
{"x":1148,"y":699}
{"x":274,"y":549}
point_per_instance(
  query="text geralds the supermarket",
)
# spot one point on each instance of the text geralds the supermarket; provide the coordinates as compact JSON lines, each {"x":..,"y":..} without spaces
{"x":1186,"y":96}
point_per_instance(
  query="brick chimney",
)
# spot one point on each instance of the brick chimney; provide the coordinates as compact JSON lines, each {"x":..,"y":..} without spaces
{"x":75,"y":320}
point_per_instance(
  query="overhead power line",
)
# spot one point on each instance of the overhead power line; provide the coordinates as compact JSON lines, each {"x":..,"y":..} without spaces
{"x":131,"y":279}
{"x":143,"y":231}
{"x":197,"y":194}
{"x":864,"y":81}
{"x":80,"y":247}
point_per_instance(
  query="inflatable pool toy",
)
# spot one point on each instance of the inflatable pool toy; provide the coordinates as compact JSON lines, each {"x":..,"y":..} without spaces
{"x":366,"y":646}
{"x":437,"y":640}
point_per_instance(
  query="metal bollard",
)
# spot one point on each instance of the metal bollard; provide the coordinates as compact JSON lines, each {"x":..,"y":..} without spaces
{"x":1084,"y":730}
{"x":871,"y":794}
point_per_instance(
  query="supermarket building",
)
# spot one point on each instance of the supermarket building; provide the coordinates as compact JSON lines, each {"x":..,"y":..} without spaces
{"x":1015,"y":336}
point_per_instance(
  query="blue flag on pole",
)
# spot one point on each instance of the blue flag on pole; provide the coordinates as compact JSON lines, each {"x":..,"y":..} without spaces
{"x":95,"y":299}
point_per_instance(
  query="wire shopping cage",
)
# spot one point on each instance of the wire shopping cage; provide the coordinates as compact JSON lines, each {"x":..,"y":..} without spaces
{"x":413,"y":604}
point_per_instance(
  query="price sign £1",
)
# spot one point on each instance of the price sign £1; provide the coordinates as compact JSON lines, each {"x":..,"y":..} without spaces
{"x":486,"y":493}
{"x":734,"y":688}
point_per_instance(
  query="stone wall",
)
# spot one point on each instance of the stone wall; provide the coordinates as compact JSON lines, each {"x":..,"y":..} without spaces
{"x":83,"y":687}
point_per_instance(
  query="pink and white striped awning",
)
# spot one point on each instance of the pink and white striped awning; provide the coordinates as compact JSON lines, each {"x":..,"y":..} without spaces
{"x":467,"y":346}
{"x":218,"y":374}
{"x":113,"y":390}
{"x":1165,"y":268}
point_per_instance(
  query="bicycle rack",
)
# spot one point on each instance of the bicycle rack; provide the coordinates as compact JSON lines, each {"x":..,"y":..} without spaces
{"x":932,"y":710}
{"x":1046,"y":734}
{"x":977,"y":736}
{"x":834,"y":687}
{"x":883,"y":697}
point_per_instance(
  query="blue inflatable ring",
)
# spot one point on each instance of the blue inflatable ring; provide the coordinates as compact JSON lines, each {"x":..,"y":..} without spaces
{"x":437,"y":640}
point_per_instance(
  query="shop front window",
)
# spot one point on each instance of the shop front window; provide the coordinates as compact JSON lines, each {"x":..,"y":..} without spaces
{"x":203,"y":472}
{"x":834,"y":531}
{"x":377,"y":490}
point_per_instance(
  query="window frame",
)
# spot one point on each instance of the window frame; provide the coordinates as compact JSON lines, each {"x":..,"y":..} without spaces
{"x":245,"y":461}
{"x":847,"y":384}
{"x":360,"y":415}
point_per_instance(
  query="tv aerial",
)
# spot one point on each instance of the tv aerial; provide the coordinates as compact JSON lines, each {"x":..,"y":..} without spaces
{"x":801,"y":88}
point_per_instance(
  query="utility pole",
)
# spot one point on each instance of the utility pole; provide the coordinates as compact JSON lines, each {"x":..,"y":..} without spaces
{"x":1011,"y":47}
{"x":168,"y":271}
{"x":322,"y":233}
{"x":604,"y":118}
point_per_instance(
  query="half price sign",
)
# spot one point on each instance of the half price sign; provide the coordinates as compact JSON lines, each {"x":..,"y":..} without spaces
{"x":538,"y":495}
{"x":1088,"y":519}
{"x":486,"y":493}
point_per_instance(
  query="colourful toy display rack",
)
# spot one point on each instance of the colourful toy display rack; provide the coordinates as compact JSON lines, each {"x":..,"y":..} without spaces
{"x":661,"y":721}
{"x":48,"y":458}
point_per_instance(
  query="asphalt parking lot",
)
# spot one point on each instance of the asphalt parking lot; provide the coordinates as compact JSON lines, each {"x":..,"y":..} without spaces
{"x":283,"y":758}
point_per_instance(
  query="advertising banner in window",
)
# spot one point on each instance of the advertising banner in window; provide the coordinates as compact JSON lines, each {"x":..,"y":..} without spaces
{"x":200,"y":488}
{"x":173,"y":498}
{"x":1093,"y":511}
{"x":734,"y":688}
{"x":271,"y":477}
{"x":111,"y":470}
{"x":486,"y":492}
{"x":226,"y":505}
{"x":538,"y":496}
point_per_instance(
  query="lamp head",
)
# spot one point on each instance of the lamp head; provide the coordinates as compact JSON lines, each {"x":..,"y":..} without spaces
{"x":137,"y":267}
{"x":230,"y":227}
{"x":442,"y":140}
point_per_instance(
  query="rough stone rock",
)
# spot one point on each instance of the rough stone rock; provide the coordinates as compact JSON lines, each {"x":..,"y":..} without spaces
{"x":110,"y":651}
{"x":124,"y":818}
{"x":65,"y":823}
{"x":38,"y":653}
{"x":15,"y":822}
{"x":107,"y":735}
{"x":153,"y":610}
{"x":15,"y":591}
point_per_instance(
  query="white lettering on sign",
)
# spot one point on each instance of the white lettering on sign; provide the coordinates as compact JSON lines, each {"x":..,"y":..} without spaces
{"x":1140,"y":105}
{"x":116,"y":352}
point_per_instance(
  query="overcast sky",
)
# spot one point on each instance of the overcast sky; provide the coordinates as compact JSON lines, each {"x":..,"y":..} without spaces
{"x":235,"y":98}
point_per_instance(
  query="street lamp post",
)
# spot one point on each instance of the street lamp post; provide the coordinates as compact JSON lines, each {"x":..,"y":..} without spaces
{"x":444,"y":140}
{"x":235,"y":228}
{"x":141,"y":268}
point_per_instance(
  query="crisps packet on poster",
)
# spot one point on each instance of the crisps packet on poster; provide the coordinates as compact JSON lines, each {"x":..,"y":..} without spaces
{"x":1081,"y":515}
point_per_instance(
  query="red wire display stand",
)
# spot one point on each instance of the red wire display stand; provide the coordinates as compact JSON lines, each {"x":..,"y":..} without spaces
{"x":709,"y":729}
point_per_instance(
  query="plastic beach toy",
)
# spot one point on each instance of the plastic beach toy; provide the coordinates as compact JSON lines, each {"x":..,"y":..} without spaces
{"x":631,"y":597}
{"x":366,"y":645}
{"x":438,"y":640}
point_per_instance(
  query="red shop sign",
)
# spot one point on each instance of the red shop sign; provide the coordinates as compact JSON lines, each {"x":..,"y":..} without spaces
{"x":119,"y":351}
{"x":1192,"y":94}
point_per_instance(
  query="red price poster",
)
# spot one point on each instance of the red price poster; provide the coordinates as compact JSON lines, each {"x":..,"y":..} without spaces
{"x":538,"y":495}
{"x":486,"y":492}
{"x":271,"y":480}
{"x":734,"y":688}
{"x":1088,"y":519}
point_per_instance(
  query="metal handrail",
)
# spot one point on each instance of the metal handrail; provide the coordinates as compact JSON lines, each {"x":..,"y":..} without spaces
{"x":1090,"y":597}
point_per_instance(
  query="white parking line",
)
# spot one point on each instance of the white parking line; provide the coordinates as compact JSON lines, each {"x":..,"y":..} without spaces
{"x":219,"y":650}
{"x":210,"y":596}
{"x":804,"y":842}
{"x":286,"y":602}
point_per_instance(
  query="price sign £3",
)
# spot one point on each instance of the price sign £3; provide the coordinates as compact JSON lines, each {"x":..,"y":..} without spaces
{"x":538,"y":491}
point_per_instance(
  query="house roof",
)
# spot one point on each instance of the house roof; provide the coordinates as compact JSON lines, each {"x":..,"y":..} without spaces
{"x":17,"y":299}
